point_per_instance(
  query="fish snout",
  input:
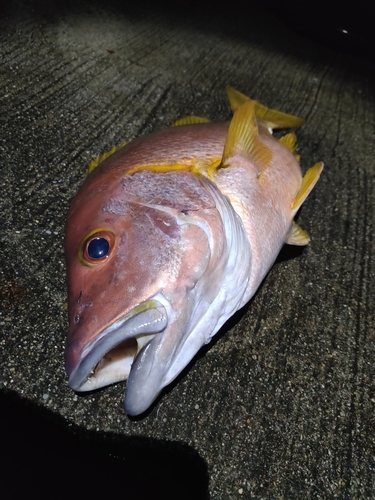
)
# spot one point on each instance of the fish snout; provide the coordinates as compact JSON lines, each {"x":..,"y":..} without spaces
{"x":107,"y":356}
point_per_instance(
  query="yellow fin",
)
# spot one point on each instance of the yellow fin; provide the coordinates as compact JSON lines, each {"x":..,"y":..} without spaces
{"x":214,"y":164}
{"x":308,"y":182}
{"x":96,"y":161}
{"x":190,"y":120}
{"x":289,"y":141}
{"x":243,"y":137}
{"x":235,"y":98}
{"x":297,"y":236}
{"x":271,"y":117}
{"x":277,"y":119}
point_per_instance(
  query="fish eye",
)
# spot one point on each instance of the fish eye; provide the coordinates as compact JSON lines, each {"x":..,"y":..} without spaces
{"x":96,"y":247}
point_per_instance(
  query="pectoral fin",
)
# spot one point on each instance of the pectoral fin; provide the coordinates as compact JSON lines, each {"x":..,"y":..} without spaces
{"x":235,"y":98}
{"x":297,"y":236}
{"x":308,"y":182}
{"x":243,"y":137}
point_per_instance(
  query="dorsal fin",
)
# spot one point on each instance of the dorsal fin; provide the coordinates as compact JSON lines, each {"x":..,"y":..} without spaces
{"x":271,"y":117}
{"x":190,"y":120}
{"x":297,"y":236}
{"x":243,"y":137}
{"x":96,"y":161}
{"x":289,"y":141}
{"x":308,"y":182}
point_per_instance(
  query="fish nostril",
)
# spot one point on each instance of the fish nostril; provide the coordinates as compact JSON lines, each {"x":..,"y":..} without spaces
{"x":77,"y":318}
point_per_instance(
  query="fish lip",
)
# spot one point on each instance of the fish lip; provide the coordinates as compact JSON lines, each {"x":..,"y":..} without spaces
{"x":144,"y":321}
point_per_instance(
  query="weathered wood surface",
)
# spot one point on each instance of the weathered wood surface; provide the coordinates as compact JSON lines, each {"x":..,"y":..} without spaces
{"x":282,"y":405}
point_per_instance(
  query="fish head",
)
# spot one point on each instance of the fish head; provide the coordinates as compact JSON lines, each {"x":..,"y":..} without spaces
{"x":145,"y":256}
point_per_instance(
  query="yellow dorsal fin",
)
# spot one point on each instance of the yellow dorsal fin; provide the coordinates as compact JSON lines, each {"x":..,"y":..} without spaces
{"x":190,"y":120}
{"x":308,"y":182}
{"x":289,"y":141}
{"x":271,"y":117}
{"x":243,"y":137}
{"x":277,"y":119}
{"x":297,"y":236}
{"x":96,"y":161}
{"x":235,"y":98}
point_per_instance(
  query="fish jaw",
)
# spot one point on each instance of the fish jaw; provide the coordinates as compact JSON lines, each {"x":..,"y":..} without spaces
{"x":108,"y":357}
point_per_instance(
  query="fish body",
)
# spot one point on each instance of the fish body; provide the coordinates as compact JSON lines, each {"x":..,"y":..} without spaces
{"x":168,"y":237}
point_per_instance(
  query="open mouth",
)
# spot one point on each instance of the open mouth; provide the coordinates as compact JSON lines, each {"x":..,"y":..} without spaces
{"x":109,"y":357}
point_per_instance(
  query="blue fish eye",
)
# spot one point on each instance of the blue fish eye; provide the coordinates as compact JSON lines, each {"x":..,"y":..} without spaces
{"x":98,"y":248}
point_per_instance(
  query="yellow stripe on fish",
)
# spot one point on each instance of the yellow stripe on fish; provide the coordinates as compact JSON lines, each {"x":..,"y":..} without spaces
{"x":96,"y":161}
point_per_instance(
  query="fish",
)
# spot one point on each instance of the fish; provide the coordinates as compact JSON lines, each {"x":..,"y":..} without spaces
{"x":169,"y":235}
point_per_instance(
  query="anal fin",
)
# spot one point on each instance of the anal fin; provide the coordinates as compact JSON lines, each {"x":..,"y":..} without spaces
{"x":308,"y":182}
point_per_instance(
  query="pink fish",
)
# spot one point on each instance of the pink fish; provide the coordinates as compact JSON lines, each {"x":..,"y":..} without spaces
{"x":169,"y":236}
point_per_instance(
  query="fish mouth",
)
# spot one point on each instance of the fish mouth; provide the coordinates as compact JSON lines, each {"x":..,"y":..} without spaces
{"x":108,"y":358}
